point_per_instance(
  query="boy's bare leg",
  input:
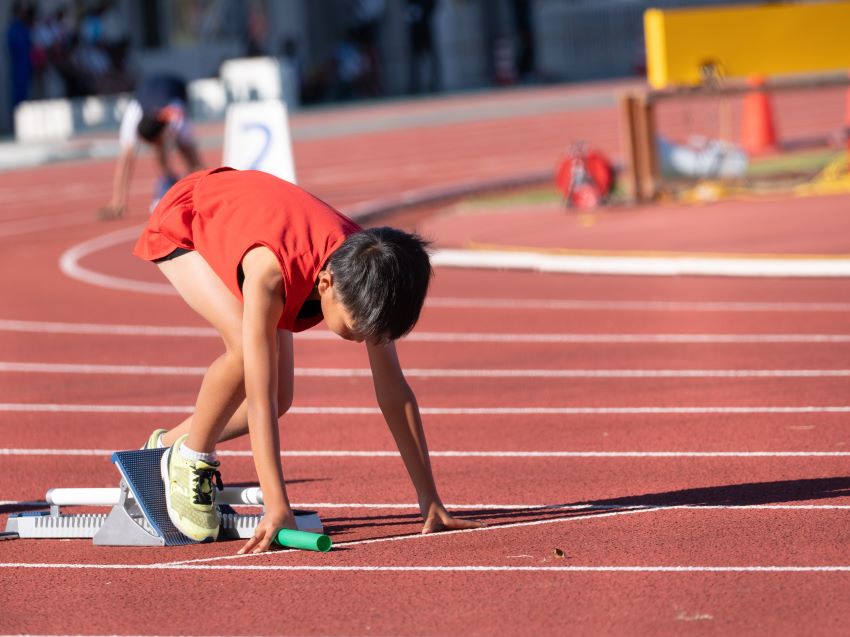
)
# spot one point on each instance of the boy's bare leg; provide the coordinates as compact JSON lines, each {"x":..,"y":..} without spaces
{"x":238,"y":423}
{"x":223,"y":387}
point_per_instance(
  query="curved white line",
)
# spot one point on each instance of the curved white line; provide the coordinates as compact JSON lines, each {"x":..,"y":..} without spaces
{"x":69,"y":264}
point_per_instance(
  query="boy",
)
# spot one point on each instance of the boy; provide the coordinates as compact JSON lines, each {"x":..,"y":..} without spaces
{"x":155,"y":116}
{"x":260,"y":258}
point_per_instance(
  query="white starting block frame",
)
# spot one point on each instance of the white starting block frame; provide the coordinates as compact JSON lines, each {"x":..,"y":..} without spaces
{"x":136,"y":519}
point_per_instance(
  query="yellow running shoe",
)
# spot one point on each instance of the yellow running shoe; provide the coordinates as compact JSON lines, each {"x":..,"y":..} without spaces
{"x":190,"y":493}
{"x":153,"y":439}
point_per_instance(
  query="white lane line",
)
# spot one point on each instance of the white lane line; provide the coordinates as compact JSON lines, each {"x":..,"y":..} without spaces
{"x":39,"y":224}
{"x":664,"y":265}
{"x":472,"y":337}
{"x":104,"y":329}
{"x":202,"y":563}
{"x":436,"y":569}
{"x":343,"y":372}
{"x":325,"y":453}
{"x":529,"y":508}
{"x":635,"y":306}
{"x":443,"y":534}
{"x":432,"y":411}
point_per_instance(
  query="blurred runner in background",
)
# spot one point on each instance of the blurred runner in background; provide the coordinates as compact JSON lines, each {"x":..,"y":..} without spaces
{"x":157,"y":116}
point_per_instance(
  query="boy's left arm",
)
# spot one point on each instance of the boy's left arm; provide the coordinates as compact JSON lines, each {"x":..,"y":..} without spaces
{"x":398,"y":405}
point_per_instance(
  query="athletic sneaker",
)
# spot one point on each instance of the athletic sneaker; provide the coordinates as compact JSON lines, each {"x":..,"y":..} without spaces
{"x":153,"y":439}
{"x":190,"y":493}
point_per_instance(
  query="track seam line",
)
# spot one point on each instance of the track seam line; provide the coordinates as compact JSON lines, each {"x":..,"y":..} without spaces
{"x":464,"y":454}
{"x":414,"y":372}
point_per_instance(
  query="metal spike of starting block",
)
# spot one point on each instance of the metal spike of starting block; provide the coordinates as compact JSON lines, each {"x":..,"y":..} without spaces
{"x":138,"y":516}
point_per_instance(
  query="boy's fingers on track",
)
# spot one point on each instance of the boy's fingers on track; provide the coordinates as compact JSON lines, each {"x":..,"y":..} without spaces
{"x":248,"y":546}
{"x":264,"y":542}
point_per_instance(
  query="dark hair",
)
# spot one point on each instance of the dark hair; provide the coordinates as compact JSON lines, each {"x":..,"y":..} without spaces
{"x":150,"y":127}
{"x":382,"y":276}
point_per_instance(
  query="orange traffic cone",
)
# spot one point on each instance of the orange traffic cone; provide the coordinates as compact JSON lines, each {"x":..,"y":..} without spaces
{"x":758,"y":133}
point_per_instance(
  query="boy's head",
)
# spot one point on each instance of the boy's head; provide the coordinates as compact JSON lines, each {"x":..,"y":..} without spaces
{"x":150,"y":127}
{"x":380,"y":276}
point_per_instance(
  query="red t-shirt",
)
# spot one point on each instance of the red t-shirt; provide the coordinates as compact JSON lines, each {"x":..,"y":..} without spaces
{"x":223,"y":213}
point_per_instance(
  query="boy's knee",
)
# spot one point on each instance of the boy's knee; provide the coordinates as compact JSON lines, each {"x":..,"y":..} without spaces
{"x":235,"y":358}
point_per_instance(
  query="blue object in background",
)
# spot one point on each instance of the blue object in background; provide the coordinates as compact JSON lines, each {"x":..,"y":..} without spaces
{"x":161,"y":187}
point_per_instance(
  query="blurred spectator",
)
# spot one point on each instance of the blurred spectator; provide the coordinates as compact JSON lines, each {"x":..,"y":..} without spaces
{"x":51,"y":41}
{"x":256,"y":33}
{"x":292,"y":72}
{"x":526,"y":48}
{"x":156,"y":116}
{"x":420,"y":15}
{"x":19,"y":45}
{"x":100,"y":51}
{"x":114,"y":38}
{"x":364,"y":19}
{"x":351,"y":67}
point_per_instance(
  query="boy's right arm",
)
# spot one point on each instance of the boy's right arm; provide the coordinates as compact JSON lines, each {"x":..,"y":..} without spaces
{"x":263,"y":297}
{"x":120,"y":184}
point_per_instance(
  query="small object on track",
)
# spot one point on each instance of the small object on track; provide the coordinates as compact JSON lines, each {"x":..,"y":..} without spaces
{"x":559,"y":553}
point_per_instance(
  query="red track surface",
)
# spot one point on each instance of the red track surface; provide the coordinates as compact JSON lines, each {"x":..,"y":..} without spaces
{"x":699,"y":513}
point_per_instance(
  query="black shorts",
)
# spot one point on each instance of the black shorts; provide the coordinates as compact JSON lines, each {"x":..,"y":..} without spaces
{"x":172,"y":255}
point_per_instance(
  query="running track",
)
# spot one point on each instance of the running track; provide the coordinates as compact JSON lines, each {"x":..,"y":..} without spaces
{"x":682,"y":441}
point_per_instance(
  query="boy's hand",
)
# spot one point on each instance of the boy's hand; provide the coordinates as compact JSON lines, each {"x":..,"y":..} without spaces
{"x":438,"y":519}
{"x":110,"y":211}
{"x":266,"y":531}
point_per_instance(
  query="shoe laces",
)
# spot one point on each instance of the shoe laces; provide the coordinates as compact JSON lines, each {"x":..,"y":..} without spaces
{"x":203,"y":484}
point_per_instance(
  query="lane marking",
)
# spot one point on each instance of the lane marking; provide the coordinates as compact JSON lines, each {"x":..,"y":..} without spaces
{"x":442,"y":534}
{"x":676,"y":264}
{"x":431,"y":411}
{"x":39,"y":224}
{"x":105,"y":329}
{"x":203,"y":563}
{"x":326,"y":453}
{"x":529,"y":508}
{"x":437,"y":569}
{"x":343,"y":372}
{"x":635,"y":306}
{"x":40,"y":327}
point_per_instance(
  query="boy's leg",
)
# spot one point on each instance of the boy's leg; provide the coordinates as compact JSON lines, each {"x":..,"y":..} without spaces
{"x":238,"y":423}
{"x":223,"y":388}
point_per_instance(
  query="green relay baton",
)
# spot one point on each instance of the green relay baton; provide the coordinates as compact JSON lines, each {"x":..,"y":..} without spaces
{"x":303,"y":540}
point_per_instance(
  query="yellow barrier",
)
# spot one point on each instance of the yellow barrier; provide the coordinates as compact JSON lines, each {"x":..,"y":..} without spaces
{"x":745,"y":40}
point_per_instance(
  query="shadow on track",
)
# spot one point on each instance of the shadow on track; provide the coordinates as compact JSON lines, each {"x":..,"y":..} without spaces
{"x":738,"y":495}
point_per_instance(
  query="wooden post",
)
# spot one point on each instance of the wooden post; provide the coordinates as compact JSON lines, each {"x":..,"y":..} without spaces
{"x":642,"y":175}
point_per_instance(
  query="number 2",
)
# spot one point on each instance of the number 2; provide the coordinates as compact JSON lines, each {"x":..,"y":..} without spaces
{"x":266,"y":134}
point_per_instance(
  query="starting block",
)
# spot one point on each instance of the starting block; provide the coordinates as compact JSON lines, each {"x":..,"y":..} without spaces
{"x":138,"y":516}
